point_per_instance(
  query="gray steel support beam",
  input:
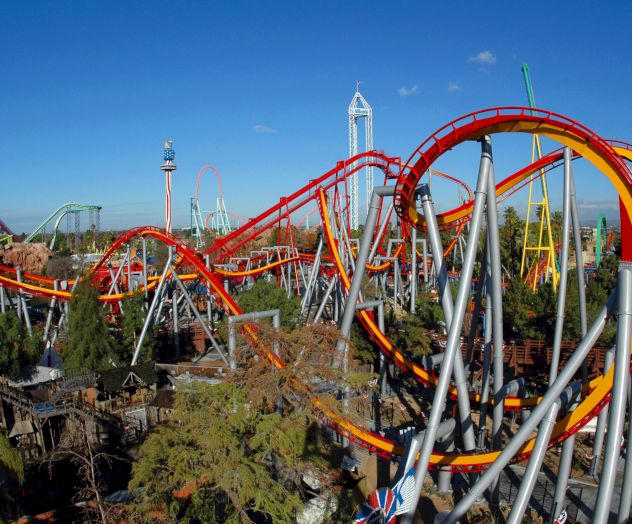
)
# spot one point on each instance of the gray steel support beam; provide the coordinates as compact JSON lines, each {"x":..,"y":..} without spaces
{"x":520,"y":503}
{"x":51,"y":308}
{"x":22,"y":303}
{"x":380,"y":233}
{"x":600,"y":430}
{"x":452,"y":346}
{"x":625,"y":502}
{"x":579,"y":262}
{"x":493,"y":247}
{"x":325,"y":298}
{"x":538,"y":413}
{"x":342,"y":346}
{"x":619,"y":396}
{"x":487,"y":358}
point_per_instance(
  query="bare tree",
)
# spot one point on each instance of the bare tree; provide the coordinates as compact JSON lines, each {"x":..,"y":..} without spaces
{"x":77,"y":444}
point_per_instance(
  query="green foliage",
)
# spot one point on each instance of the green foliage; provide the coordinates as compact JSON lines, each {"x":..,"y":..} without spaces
{"x":224,"y":452}
{"x":597,"y":290}
{"x":528,"y":315}
{"x":131,"y":324}
{"x":11,"y":466}
{"x":364,"y":349}
{"x":90,"y":343}
{"x":413,"y":337}
{"x":429,"y":311}
{"x":264,"y":296}
{"x":17,"y":349}
{"x":511,"y":235}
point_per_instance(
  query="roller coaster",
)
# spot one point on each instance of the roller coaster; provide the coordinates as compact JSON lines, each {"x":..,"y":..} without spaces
{"x":330,"y":279}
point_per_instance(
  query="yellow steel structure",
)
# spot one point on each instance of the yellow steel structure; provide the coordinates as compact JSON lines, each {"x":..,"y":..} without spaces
{"x":544,"y":251}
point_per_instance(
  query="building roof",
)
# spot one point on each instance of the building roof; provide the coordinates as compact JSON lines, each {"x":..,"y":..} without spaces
{"x":164,"y":399}
{"x":117,"y":379}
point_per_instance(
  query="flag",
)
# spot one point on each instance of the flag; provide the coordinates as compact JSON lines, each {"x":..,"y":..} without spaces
{"x":379,"y":507}
{"x":403,"y":492}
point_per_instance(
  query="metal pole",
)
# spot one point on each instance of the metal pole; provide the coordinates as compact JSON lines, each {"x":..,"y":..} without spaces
{"x":478,"y":301}
{"x":600,"y":430}
{"x":323,"y":302}
{"x":380,"y":233}
{"x":152,"y":307}
{"x":463,"y":399}
{"x":520,"y":503}
{"x":487,"y":355}
{"x":619,"y":393}
{"x":549,"y":398}
{"x":22,"y":303}
{"x":579,"y":260}
{"x":356,"y":282}
{"x":625,"y":502}
{"x":452,"y":346}
{"x":2,"y":299}
{"x":493,"y":246}
{"x":51,"y":307}
{"x":307,"y":296}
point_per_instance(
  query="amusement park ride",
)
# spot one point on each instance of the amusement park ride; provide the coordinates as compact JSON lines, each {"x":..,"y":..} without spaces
{"x":329,"y":282}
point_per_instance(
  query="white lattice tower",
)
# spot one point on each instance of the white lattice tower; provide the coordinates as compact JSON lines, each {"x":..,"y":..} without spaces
{"x":222,"y":224}
{"x":359,"y":108}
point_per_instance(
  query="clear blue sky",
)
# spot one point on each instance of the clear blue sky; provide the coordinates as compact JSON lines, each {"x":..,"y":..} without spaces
{"x":90,"y":90}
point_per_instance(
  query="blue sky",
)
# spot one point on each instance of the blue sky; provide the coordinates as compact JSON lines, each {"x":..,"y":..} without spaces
{"x":90,"y":90}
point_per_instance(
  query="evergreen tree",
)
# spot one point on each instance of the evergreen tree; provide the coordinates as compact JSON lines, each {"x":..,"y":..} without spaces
{"x":90,"y":343}
{"x":17,"y":349}
{"x":233,"y":452}
{"x":11,"y":468}
{"x":264,"y":296}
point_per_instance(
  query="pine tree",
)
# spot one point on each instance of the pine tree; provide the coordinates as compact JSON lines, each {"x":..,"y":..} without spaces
{"x":11,"y":466}
{"x":17,"y":349}
{"x":229,"y":455}
{"x":90,"y":343}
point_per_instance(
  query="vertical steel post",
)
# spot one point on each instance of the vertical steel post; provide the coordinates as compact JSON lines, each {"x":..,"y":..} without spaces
{"x":568,"y":446}
{"x":498,"y":411}
{"x":51,"y":307}
{"x":579,"y":259}
{"x":625,"y":502}
{"x":619,"y":396}
{"x":325,"y":298}
{"x":600,"y":430}
{"x":22,"y":303}
{"x":452,"y":346}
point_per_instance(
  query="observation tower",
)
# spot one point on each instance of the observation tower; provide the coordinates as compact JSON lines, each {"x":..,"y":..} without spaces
{"x":168,"y":155}
{"x":359,"y":108}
